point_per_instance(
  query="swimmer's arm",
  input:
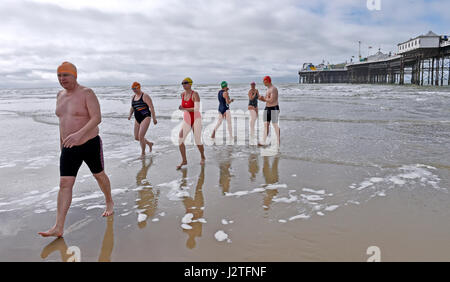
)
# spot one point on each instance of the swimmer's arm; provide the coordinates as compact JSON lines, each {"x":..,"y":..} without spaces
{"x":264,"y":98}
{"x":250,"y":96}
{"x":196,"y":102}
{"x":60,"y":134}
{"x":227,"y":98}
{"x":93,"y":107}
{"x":60,"y":140}
{"x":131,"y":113}
{"x":149,"y":102}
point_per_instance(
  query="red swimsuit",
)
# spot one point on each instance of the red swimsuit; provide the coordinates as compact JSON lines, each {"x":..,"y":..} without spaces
{"x":189,"y":117}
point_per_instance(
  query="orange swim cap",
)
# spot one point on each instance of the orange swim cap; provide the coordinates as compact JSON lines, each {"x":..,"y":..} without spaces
{"x":136,"y":85}
{"x":67,"y":67}
{"x":267,"y":79}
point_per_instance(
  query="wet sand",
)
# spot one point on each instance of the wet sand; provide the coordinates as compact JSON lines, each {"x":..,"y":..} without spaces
{"x":404,"y":226}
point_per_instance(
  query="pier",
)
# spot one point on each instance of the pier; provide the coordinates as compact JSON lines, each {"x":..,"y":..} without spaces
{"x":424,"y":60}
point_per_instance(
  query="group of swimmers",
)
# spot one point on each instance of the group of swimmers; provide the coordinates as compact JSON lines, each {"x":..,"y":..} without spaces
{"x":78,"y":110}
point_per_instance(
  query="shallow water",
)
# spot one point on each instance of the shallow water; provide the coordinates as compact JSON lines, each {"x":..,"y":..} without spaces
{"x":359,"y":165}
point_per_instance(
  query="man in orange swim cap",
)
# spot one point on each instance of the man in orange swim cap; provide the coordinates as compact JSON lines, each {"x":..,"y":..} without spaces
{"x":78,"y":110}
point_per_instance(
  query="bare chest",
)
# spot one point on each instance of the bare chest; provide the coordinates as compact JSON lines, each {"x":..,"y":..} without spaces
{"x":73,"y":106}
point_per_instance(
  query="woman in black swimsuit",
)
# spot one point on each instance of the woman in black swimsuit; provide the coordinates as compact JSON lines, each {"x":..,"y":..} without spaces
{"x":253,"y":96}
{"x":142,"y":107}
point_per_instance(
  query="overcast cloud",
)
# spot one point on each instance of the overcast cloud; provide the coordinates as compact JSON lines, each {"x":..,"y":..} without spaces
{"x":162,"y":41}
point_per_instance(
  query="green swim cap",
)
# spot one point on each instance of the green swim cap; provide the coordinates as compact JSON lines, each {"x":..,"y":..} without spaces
{"x":224,"y":84}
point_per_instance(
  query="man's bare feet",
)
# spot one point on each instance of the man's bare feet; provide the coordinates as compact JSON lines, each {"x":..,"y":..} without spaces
{"x":109,"y":209}
{"x":181,"y":165}
{"x":261,"y":145}
{"x":54,"y":232}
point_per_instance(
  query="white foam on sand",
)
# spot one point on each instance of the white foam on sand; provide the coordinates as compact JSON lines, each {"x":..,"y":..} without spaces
{"x":376,"y":179}
{"x":397,"y":181}
{"x":40,"y":211}
{"x":142,"y":217}
{"x":410,"y":174}
{"x":300,"y":216}
{"x":186,"y":227}
{"x":319,"y":192}
{"x":116,"y":192}
{"x":224,"y":221}
{"x":187,"y":218}
{"x":331,"y":208}
{"x":289,"y":200}
{"x":237,"y":194}
{"x":95,"y":195}
{"x":176,"y":193}
{"x":312,"y":198}
{"x":221,"y":236}
{"x":364,"y":185}
{"x":155,"y":220}
{"x":276,"y":186}
{"x":256,"y":190}
{"x":34,"y":199}
{"x":95,"y":207}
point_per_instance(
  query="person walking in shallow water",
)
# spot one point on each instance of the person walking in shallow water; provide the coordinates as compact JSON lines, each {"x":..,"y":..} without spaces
{"x":79,"y":114}
{"x":142,"y":107}
{"x":224,"y":110}
{"x":192,"y":120}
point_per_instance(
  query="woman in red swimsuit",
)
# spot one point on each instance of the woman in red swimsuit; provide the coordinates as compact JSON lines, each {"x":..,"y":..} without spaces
{"x":190,"y":104}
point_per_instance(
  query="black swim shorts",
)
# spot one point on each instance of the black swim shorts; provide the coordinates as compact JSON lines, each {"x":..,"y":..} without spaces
{"x":90,"y":152}
{"x":271,"y":114}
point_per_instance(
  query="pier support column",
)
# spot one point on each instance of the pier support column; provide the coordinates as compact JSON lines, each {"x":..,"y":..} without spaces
{"x":442,"y":70}
{"x":432,"y":72}
{"x":429,"y":70}
{"x":437,"y":70}
{"x":448,"y":82}
{"x":421,"y":73}
{"x":402,"y":73}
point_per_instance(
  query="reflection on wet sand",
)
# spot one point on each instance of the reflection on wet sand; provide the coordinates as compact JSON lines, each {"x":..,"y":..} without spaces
{"x":195,"y":206}
{"x":56,"y":245}
{"x":147,"y":201}
{"x":71,"y":254}
{"x":108,"y":241}
{"x":253,"y":166}
{"x":271,"y":177}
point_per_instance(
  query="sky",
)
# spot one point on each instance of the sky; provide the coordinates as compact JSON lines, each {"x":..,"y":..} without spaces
{"x":116,"y":42}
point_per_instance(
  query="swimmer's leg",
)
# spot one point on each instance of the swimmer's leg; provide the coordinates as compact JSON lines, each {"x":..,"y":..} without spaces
{"x":64,"y":200}
{"x":105,"y":186}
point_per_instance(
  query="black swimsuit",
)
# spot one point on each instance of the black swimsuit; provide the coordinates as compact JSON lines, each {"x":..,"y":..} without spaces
{"x":254,"y":101}
{"x":141,"y":109}
{"x":90,"y":152}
